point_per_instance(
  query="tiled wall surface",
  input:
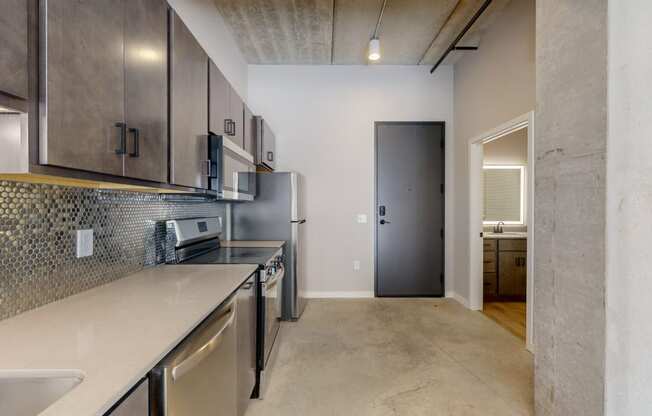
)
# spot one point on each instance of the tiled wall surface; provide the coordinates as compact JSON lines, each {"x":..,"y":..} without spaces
{"x":38,"y":226}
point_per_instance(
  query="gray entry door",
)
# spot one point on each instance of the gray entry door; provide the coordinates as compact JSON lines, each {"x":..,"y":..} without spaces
{"x":409,"y":209}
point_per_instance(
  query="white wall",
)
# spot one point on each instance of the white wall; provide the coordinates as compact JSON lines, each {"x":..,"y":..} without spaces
{"x":207,"y":24}
{"x":508,"y":150}
{"x":324,"y":120}
{"x":629,"y":206}
{"x":493,"y":85}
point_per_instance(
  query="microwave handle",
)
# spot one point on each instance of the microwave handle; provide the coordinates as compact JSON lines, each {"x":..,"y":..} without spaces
{"x":207,"y":168}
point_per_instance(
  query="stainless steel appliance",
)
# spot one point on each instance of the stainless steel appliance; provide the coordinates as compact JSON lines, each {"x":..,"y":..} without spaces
{"x":265,"y":144}
{"x":277,"y":214}
{"x":197,"y":241}
{"x":246,"y":326}
{"x":199,"y":376}
{"x":231,"y":170}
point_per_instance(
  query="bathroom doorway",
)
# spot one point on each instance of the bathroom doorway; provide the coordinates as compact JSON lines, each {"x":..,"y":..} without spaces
{"x":500,"y":223}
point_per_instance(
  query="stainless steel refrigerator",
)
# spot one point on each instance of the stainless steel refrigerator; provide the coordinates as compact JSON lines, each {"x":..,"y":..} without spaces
{"x":277,"y":214}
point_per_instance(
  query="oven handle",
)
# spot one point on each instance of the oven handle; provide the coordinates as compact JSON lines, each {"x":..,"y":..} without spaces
{"x":274,"y":280}
{"x":200,"y":354}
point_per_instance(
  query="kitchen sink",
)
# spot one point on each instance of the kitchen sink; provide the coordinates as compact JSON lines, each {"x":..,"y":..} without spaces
{"x":29,"y":392}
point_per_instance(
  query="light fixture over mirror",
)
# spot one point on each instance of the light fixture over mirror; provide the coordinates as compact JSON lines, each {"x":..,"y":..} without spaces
{"x":374,"y":49}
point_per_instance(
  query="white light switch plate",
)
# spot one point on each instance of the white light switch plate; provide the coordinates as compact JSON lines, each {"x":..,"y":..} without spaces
{"x":84,"y":243}
{"x":362,"y":218}
{"x":356,"y":265}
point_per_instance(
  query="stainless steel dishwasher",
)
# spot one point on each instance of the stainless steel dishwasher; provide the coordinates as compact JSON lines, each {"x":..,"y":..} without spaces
{"x":199,"y":377}
{"x":246,"y":326}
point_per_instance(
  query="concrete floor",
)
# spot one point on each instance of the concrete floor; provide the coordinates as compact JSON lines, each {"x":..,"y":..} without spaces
{"x":386,"y":357}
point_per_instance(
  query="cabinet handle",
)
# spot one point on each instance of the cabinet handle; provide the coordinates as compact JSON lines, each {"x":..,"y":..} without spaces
{"x":123,"y":138}
{"x":206,"y":168}
{"x":270,"y":156}
{"x":136,"y":133}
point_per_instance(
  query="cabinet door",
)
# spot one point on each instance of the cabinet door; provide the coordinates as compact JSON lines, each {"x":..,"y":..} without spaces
{"x":268,"y":147}
{"x":146,"y":89}
{"x":218,"y":100}
{"x":249,"y":129}
{"x":236,"y":111}
{"x":189,"y":107}
{"x":84,"y":86}
{"x":135,"y":404}
{"x":13,"y":47}
{"x":512,"y":273}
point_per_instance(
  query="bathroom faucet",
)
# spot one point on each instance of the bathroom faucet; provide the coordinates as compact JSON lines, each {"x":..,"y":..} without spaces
{"x":498,"y":228}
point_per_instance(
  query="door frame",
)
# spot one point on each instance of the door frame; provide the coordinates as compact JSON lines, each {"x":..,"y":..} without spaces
{"x":475,"y":157}
{"x":375,"y":199}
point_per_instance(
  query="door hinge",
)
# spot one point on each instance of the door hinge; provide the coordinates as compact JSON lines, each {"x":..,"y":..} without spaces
{"x":441,"y":278}
{"x":442,"y":143}
{"x":441,"y":188}
{"x":441,"y":232}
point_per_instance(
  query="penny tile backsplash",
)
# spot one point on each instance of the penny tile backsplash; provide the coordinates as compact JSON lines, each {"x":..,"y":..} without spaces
{"x":38,"y":225}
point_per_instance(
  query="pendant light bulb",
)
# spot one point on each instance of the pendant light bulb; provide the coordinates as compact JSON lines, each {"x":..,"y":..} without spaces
{"x":374,"y":49}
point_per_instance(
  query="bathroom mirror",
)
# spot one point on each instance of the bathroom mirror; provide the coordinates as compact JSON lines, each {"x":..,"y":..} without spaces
{"x":504,"y":194}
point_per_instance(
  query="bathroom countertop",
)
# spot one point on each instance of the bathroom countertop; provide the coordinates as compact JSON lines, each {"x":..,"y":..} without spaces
{"x":505,"y":235}
{"x":117,"y":332}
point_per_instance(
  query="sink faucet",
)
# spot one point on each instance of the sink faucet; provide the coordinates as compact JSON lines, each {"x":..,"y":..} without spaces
{"x":498,"y":228}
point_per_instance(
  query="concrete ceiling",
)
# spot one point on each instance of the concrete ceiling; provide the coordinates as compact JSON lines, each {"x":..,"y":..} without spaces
{"x":314,"y":32}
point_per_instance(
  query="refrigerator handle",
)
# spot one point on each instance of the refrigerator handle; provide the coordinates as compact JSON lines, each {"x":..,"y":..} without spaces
{"x":298,"y":221}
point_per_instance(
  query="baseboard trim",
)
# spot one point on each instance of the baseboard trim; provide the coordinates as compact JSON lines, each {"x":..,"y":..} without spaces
{"x":341,"y":295}
{"x":460,"y":299}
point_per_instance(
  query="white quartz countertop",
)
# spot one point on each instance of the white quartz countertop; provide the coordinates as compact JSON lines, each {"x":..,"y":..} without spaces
{"x":506,"y":235}
{"x":117,"y":332}
{"x":253,"y":243}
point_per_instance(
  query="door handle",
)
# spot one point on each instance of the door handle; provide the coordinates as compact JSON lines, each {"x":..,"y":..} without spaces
{"x":233,"y":128}
{"x":227,"y":126}
{"x":202,"y":353}
{"x":270,"y":156}
{"x":136,"y":133}
{"x":123,"y":138}
{"x":383,"y":222}
{"x":381,"y":210}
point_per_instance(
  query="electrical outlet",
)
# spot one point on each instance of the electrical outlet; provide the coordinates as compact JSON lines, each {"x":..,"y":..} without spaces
{"x":362,"y":218}
{"x":84,"y":243}
{"x":356,"y":265}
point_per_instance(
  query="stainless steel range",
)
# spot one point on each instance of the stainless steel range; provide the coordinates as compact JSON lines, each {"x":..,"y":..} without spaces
{"x":197,"y":241}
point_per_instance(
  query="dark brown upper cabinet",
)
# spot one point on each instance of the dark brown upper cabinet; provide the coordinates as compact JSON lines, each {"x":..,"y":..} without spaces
{"x":13,"y":48}
{"x":188,"y":107}
{"x":249,"y":131}
{"x":105,"y":89}
{"x":146,"y":89}
{"x":226,"y":107}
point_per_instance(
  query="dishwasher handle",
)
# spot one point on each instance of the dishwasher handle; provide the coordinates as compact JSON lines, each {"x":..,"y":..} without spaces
{"x":204,"y":351}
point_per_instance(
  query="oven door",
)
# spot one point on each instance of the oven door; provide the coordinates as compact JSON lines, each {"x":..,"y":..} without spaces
{"x":232,"y":170}
{"x":272,"y":289}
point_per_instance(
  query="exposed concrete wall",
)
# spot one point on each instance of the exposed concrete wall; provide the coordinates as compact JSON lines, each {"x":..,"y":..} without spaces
{"x":570,"y":204}
{"x":629,"y":203}
{"x":492,"y":86}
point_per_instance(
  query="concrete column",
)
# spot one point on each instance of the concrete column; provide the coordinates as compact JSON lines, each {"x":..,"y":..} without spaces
{"x":629,"y":210}
{"x":570,"y":206}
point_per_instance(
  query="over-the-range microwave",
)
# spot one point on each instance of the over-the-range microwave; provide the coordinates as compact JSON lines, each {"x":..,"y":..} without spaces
{"x":232,"y":173}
